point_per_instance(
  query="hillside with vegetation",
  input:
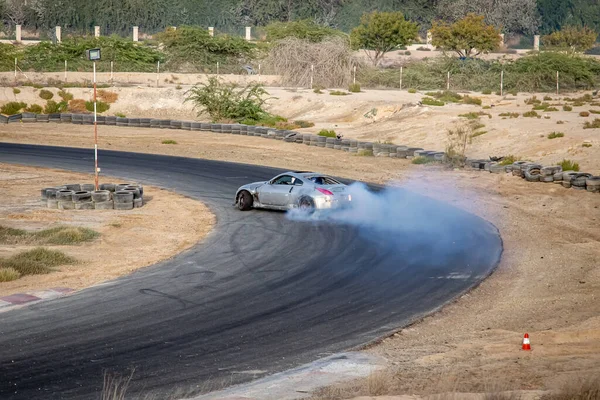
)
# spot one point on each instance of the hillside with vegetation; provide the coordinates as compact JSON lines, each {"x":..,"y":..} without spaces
{"x":117,"y":17}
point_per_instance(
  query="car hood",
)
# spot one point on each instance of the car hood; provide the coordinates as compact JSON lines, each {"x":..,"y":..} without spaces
{"x":252,"y":186}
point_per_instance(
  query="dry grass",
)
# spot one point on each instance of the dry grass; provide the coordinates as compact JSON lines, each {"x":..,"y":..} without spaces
{"x":9,"y":274}
{"x":108,"y":96}
{"x":332,"y":60}
{"x":61,"y":235}
{"x":581,"y":389}
{"x":37,"y":261}
{"x":77,"y":105}
{"x":115,"y":385}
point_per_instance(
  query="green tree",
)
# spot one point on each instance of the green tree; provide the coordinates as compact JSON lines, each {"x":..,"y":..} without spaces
{"x":571,"y":39}
{"x":468,"y":37}
{"x":303,"y":29}
{"x":381,"y":32}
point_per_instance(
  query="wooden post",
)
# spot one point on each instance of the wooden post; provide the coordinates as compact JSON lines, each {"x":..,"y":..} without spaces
{"x":401,"y":73}
{"x":557,"y":85}
{"x":312,"y":73}
{"x":65,"y":70}
{"x":157,"y":72}
{"x":502,"y":83}
{"x":354,"y":75}
{"x":448,"y":81}
{"x":15,"y":68}
{"x":111,"y":71}
{"x":259,"y":72}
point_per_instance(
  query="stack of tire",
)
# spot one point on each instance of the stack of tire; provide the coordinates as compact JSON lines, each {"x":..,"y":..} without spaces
{"x":125,"y":196}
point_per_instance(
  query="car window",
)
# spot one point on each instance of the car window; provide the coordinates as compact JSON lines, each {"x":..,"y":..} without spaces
{"x":284,"y":180}
{"x":298,"y":182}
{"x":324,"y":180}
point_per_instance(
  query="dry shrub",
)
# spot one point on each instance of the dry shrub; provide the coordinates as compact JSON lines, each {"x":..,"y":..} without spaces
{"x":108,"y":96}
{"x":77,"y":105}
{"x":116,"y":385}
{"x":292,"y":58}
{"x":578,"y":389}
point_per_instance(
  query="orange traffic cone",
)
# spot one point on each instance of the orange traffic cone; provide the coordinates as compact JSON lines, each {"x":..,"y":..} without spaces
{"x":526,"y":345}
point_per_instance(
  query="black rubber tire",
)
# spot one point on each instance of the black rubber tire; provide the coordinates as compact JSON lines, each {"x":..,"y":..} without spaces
{"x":73,"y":186}
{"x":134,"y":190}
{"x":108,"y":186}
{"x":104,"y":205}
{"x":52,"y":203}
{"x":66,"y":205}
{"x":123,"y":197}
{"x":306,"y":204}
{"x":88,"y":187}
{"x":86,"y":205}
{"x":123,"y":206}
{"x":137,"y":203}
{"x":100,"y":196}
{"x":81,"y":196}
{"x":244,"y":201}
{"x":64,"y":195}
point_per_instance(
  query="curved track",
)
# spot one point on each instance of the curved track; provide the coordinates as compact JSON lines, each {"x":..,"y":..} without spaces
{"x":261,"y":293}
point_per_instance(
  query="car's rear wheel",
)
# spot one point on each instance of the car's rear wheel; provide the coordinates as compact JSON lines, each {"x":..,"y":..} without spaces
{"x":306,"y":204}
{"x":244,"y":201}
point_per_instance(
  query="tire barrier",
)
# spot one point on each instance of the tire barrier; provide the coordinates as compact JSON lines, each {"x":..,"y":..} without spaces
{"x":529,"y":171}
{"x":533,"y":172}
{"x":126,"y":196}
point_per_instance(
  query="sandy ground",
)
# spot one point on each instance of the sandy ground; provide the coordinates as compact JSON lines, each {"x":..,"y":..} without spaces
{"x":134,"y":239}
{"x":390,"y":116}
{"x":548,"y":283}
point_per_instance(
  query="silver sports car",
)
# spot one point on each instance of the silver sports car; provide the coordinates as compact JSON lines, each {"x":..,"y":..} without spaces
{"x":303,"y":190}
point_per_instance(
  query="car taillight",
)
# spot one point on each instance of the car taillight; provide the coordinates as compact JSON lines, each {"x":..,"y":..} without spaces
{"x":325,"y":192}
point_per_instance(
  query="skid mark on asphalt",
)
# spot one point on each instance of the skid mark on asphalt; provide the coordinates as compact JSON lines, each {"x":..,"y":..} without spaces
{"x":183,"y":302}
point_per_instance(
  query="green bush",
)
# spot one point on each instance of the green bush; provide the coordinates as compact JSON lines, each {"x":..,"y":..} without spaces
{"x":471,"y":100}
{"x":486,"y":91}
{"x":551,"y":109}
{"x":100,"y":106}
{"x":16,"y":91}
{"x":302,"y":29}
{"x":555,"y":135}
{"x":66,"y":96}
{"x":34,"y":108}
{"x":304,"y":124}
{"x":227,"y":101}
{"x":474,"y":115}
{"x":567,"y":108}
{"x":193,"y":48}
{"x":327,"y":133}
{"x":509,"y":115}
{"x":595,"y":111}
{"x":531,"y":114}
{"x":37,"y":261}
{"x":568,"y":165}
{"x":338,"y":93}
{"x":595,"y":124}
{"x":411,"y":90}
{"x":9,"y":274}
{"x":428,"y":101}
{"x":54,"y":107}
{"x":354,"y":88}
{"x":422,"y":160}
{"x":447,"y":96}
{"x":12,"y":107}
{"x":169,"y":141}
{"x":509,"y":160}
{"x":46,"y":94}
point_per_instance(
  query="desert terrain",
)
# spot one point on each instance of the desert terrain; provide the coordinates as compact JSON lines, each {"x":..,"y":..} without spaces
{"x":133,"y":239}
{"x":549,"y":278}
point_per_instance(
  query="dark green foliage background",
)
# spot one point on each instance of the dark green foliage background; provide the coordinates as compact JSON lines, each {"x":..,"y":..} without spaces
{"x":230,"y":16}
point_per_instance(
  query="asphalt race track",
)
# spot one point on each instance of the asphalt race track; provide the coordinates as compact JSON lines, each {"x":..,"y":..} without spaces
{"x":262,"y":293}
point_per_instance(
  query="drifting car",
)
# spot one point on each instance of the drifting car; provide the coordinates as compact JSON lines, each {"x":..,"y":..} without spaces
{"x":294,"y":190}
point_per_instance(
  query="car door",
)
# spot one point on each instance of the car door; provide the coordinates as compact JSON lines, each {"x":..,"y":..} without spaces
{"x":275,"y":193}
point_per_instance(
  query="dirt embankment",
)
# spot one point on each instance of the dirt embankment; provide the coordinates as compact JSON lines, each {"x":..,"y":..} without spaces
{"x":166,"y":225}
{"x":394,"y":116}
{"x":547,"y":283}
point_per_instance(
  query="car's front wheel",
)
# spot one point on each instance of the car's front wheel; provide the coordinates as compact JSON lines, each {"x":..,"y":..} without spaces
{"x":244,"y":201}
